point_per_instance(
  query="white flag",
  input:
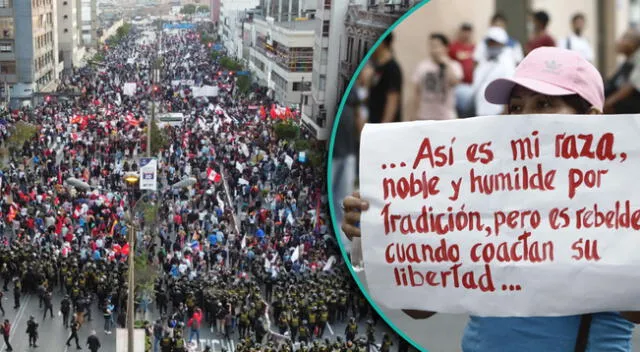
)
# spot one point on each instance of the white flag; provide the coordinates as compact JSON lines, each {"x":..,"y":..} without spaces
{"x":296,"y":254}
{"x":329,"y":263}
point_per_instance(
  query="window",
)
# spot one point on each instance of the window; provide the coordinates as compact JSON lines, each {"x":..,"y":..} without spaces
{"x":6,"y":48}
{"x":65,"y":17}
{"x":66,"y":30}
{"x":5,"y":3}
{"x":359,"y":57}
{"x":327,"y":4}
{"x":349,"y":49}
{"x":64,"y":3}
{"x":325,"y":28}
{"x":322,"y":82}
{"x":304,"y":86}
{"x":324,"y":56}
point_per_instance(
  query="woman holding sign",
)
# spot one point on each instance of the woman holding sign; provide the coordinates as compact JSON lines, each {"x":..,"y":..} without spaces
{"x":548,"y":81}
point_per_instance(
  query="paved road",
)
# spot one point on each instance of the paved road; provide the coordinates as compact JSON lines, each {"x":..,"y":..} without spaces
{"x":52,"y":334}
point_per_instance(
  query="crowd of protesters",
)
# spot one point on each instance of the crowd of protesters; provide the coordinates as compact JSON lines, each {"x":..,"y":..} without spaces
{"x":245,"y":251}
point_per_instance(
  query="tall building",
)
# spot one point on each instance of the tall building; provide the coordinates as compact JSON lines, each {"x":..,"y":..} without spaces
{"x":87,"y":13}
{"x":231,"y":26}
{"x":281,"y":57}
{"x":28,"y":48}
{"x":70,"y":47}
{"x":215,"y":10}
{"x":345,"y":32}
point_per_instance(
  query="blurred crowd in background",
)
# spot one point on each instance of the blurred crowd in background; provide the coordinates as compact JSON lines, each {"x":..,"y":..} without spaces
{"x":449,"y":83}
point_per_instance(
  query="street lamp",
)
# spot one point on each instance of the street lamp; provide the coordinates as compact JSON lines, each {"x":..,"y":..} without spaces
{"x":131,"y":178}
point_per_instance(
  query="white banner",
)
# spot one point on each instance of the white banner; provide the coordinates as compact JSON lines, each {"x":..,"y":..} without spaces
{"x":129,"y":88}
{"x":149,"y":174}
{"x":204,"y":91}
{"x":503,"y":216}
{"x":288,"y":160}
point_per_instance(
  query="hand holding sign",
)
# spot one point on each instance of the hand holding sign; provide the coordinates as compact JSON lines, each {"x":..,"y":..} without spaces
{"x":519,"y":216}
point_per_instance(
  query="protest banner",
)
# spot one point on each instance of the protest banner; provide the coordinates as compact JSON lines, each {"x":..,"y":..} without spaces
{"x":503,"y":216}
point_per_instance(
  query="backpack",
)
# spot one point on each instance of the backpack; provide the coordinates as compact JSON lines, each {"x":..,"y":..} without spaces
{"x":6,"y":329}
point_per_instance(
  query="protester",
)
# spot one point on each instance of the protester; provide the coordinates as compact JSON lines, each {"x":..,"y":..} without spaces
{"x":6,"y":333}
{"x":539,"y":36}
{"x":385,"y":86}
{"x":461,"y":50}
{"x":93,"y":342}
{"x":498,"y":63}
{"x":534,"y":89}
{"x":576,"y":40}
{"x":622,"y":89}
{"x":499,"y":20}
{"x":434,"y":82}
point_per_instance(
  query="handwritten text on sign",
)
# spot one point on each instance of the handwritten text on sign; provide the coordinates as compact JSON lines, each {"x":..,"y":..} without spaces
{"x":503,"y":216}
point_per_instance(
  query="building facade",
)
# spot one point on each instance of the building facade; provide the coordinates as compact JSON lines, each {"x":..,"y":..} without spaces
{"x":88,"y":21}
{"x":281,"y":58}
{"x":70,"y":48}
{"x":346,"y":31}
{"x":232,"y":28}
{"x":28,"y":46}
{"x":329,"y":32}
{"x":215,"y":10}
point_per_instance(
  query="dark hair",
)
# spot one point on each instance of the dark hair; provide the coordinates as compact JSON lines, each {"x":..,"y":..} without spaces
{"x":542,"y":17}
{"x":578,"y":103}
{"x":441,"y":37}
{"x":577,"y":16}
{"x":388,"y":39}
{"x":498,"y":17}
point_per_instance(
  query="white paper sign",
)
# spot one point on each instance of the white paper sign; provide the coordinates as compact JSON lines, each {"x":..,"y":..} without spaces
{"x":503,"y":216}
{"x":149,"y":174}
{"x":129,"y":88}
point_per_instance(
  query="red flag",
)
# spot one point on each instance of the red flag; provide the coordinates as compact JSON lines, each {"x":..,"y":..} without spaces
{"x":130,"y":119}
{"x":274,"y":113}
{"x":263,"y":113}
{"x":213,"y":176}
{"x":287,"y":113}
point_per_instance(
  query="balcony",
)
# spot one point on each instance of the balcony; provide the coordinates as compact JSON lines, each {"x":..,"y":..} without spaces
{"x":347,"y":68}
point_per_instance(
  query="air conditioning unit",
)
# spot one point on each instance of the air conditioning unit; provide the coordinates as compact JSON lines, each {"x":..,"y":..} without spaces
{"x":392,"y":2}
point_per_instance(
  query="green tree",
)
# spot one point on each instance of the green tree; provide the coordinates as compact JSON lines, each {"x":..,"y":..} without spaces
{"x":189,"y":9}
{"x":20,"y":133}
{"x":244,"y":84}
{"x":203,"y":9}
{"x":159,"y":138}
{"x":286,"y":130}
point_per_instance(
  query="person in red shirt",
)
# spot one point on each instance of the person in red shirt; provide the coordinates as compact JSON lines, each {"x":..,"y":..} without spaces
{"x":540,"y":36}
{"x":461,"y":50}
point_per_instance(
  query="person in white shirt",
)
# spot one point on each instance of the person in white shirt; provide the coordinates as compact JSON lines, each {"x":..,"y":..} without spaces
{"x":498,"y":62}
{"x":576,"y":41}
{"x":512,"y":45}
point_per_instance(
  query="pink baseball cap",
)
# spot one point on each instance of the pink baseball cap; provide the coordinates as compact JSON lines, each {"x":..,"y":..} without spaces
{"x":551,"y":71}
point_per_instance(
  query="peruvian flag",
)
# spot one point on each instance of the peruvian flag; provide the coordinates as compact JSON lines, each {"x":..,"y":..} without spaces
{"x":130,"y":119}
{"x":213,"y":176}
{"x":273,"y":113}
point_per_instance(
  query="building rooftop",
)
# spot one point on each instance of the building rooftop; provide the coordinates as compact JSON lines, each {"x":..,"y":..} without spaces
{"x":301,"y":25}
